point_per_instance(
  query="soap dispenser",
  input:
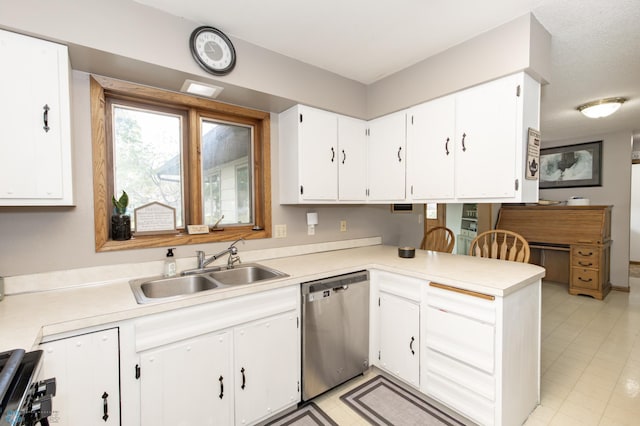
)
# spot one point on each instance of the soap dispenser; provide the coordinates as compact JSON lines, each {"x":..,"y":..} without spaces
{"x":170,"y":264}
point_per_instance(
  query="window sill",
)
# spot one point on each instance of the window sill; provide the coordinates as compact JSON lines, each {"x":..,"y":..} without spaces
{"x":169,"y":240}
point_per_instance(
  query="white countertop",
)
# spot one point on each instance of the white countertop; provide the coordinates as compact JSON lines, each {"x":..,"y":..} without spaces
{"x":27,"y":318}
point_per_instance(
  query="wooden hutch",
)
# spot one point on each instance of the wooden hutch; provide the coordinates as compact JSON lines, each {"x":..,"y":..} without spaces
{"x":573,"y":243}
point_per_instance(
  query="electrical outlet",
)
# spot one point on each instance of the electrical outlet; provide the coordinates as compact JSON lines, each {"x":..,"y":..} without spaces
{"x":280,"y":231}
{"x":343,"y":226}
{"x":311,"y":230}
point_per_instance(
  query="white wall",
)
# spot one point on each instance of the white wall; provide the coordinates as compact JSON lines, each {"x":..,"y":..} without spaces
{"x":634,"y":234}
{"x":50,"y":239}
{"x":615,"y":191}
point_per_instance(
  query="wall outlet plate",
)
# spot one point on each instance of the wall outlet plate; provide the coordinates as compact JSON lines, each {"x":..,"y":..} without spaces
{"x":198,"y":229}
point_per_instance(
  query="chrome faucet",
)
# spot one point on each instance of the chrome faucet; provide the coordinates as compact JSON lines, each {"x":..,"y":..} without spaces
{"x":233,"y":256}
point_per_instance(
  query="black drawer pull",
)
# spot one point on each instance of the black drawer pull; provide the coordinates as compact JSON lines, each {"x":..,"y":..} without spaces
{"x":585,"y":254}
{"x":243,"y":378}
{"x":105,"y":406}
{"x":411,"y":345}
{"x":585,"y":281}
{"x":221,"y":388}
{"x":585,"y":263}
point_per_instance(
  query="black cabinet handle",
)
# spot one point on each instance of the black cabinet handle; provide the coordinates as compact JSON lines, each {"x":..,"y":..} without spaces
{"x":221,"y":388}
{"x":105,"y":406}
{"x":446,"y":146}
{"x":585,"y":263}
{"x":585,"y":281}
{"x":45,"y":117}
{"x":585,"y":254}
{"x":464,"y":148}
{"x":411,"y":345}
{"x":333,"y":154}
{"x":399,"y":151}
{"x":243,"y":378}
{"x":344,"y":156}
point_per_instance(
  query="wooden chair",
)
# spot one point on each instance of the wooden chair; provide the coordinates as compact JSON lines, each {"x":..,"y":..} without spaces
{"x":439,"y":238}
{"x":500,"y":244}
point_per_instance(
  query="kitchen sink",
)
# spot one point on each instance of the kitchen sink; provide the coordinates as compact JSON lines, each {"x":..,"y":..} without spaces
{"x":245,"y":274}
{"x":147,"y":290}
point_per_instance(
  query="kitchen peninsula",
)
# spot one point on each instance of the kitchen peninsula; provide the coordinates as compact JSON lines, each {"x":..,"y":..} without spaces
{"x":488,"y":306}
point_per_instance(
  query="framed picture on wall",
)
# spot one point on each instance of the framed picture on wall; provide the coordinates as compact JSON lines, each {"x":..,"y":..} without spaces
{"x":571,"y":166}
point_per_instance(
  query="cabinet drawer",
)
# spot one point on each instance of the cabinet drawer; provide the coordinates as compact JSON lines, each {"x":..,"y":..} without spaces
{"x":477,"y":408}
{"x":469,"y":304}
{"x":585,"y":252}
{"x":467,"y":377}
{"x":466,"y":340}
{"x":585,"y":278}
{"x":585,"y":262}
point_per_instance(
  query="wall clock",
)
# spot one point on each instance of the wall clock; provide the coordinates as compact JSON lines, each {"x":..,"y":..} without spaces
{"x":212,"y":50}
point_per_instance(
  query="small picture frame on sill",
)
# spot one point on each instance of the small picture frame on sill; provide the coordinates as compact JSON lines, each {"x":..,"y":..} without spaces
{"x":155,"y":218}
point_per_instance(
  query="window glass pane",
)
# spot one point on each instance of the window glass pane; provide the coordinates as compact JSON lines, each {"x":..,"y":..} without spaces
{"x":227,"y":181}
{"x":148,"y":158}
{"x":432,"y":210}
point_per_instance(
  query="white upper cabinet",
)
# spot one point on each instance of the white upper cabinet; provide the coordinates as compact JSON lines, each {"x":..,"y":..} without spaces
{"x":322,"y":157}
{"x":431,"y":147}
{"x":35,"y":139}
{"x":487,"y":137}
{"x":352,"y":159}
{"x":387,"y":157}
{"x":308,"y":155}
{"x":472,"y":145}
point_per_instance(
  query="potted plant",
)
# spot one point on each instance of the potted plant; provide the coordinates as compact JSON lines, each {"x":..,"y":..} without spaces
{"x":120,"y":221}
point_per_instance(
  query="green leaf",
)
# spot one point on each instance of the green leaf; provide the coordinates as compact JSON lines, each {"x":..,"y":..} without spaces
{"x":122,"y":203}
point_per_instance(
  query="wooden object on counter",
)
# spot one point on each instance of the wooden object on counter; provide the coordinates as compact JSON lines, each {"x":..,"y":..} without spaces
{"x":572,"y":242}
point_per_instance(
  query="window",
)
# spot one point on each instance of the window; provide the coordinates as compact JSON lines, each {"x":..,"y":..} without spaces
{"x":210,"y":161}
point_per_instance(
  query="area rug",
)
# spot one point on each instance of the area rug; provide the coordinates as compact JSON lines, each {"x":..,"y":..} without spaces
{"x":382,"y":402}
{"x":307,"y":415}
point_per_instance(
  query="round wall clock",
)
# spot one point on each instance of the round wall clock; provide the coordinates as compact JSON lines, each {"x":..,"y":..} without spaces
{"x":212,"y":50}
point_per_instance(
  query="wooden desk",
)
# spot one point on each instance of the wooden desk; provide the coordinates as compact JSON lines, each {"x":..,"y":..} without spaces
{"x":572,"y":242}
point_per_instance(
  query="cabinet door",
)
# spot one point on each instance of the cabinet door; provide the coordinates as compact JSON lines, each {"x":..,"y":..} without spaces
{"x":188,"y":383}
{"x":386,"y":153}
{"x":430,"y":147}
{"x":267,"y":367}
{"x":86,"y":369}
{"x":35,"y":151}
{"x":318,"y":154}
{"x":352,"y":161}
{"x":400,"y":337}
{"x":486,"y":138}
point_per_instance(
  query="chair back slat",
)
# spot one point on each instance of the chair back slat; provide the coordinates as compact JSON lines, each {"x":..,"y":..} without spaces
{"x":440,"y":239}
{"x":501,"y":244}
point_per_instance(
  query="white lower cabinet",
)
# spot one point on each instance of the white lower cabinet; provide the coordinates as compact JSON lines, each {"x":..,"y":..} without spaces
{"x":189,"y":382}
{"x":86,"y":368}
{"x":477,"y":354}
{"x":399,"y":351}
{"x":395,"y":323}
{"x":235,"y":361}
{"x":265,"y":352}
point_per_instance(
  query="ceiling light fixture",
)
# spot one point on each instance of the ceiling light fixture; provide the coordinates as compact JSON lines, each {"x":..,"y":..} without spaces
{"x":601,"y":108}
{"x":201,"y":89}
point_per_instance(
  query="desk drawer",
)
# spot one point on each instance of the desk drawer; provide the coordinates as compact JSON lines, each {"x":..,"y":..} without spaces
{"x":586,"y":256}
{"x":585,"y":278}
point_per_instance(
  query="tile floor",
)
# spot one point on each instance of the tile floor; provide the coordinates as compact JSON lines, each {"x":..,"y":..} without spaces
{"x":590,"y":362}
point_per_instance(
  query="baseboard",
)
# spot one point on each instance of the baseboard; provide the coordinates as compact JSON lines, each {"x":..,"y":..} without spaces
{"x":622,"y":289}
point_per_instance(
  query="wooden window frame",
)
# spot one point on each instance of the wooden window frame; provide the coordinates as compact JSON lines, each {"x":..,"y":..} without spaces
{"x":103,"y":87}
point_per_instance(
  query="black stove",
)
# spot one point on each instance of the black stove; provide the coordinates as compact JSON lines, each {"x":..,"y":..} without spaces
{"x":24,"y":401}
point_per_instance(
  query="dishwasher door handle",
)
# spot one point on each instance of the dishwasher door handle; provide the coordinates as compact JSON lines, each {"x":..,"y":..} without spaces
{"x":341,"y":288}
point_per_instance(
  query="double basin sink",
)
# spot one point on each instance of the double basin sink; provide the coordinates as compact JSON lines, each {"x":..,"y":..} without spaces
{"x":148,"y":290}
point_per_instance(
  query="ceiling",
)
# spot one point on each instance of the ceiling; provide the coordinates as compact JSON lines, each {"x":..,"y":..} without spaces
{"x":595,"y":43}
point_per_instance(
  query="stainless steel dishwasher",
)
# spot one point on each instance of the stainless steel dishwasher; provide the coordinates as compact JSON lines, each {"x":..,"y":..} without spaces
{"x":335,"y":331}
